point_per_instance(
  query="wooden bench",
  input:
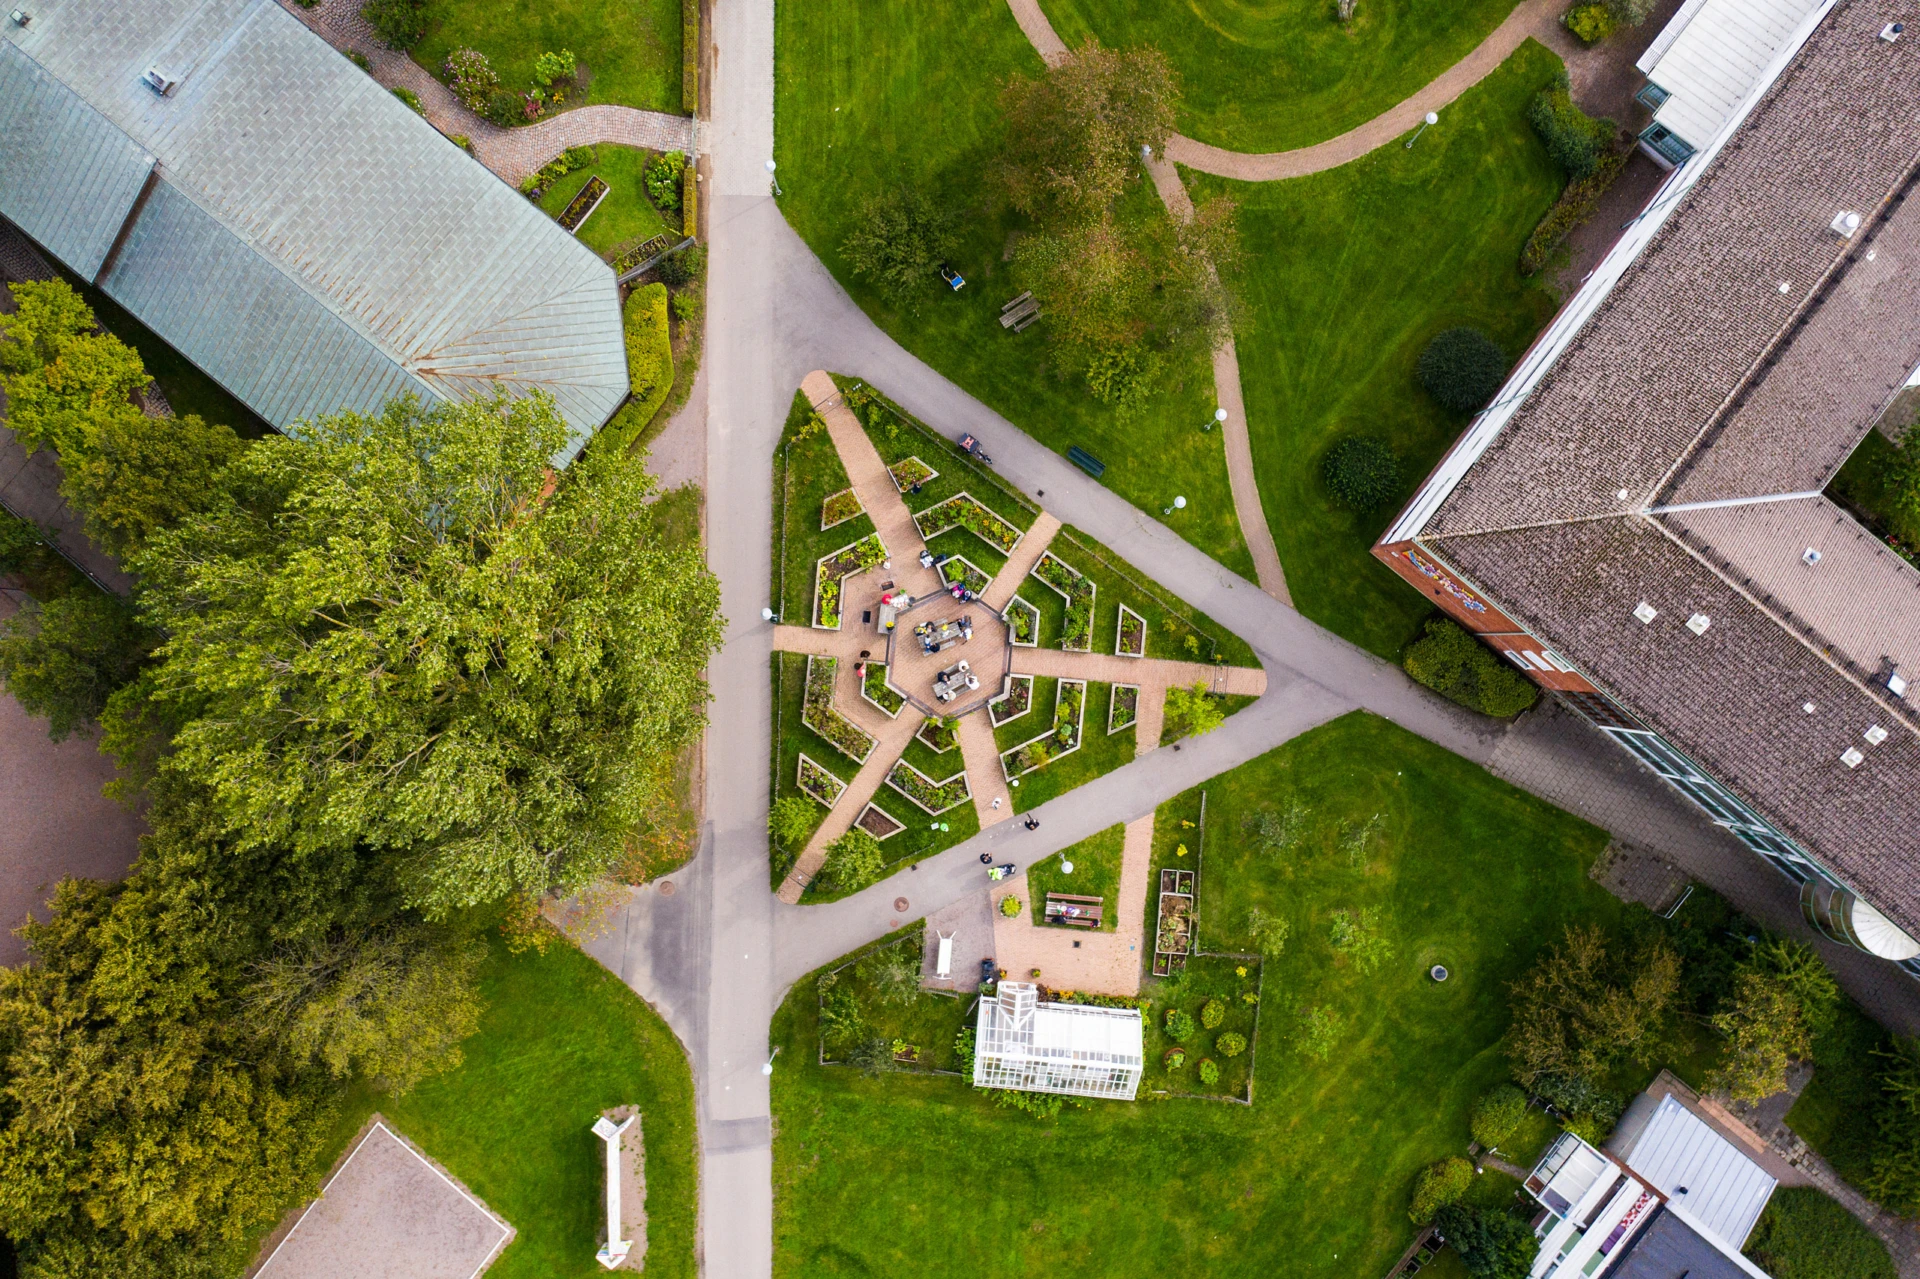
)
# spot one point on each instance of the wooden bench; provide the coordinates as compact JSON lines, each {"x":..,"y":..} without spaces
{"x":1086,"y":461}
{"x":1074,"y":910}
{"x":1020,"y":312}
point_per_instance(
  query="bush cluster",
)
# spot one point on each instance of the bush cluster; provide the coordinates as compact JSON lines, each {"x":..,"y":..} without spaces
{"x":1461,"y":669}
{"x":663,"y":178}
{"x":472,"y":78}
{"x":1437,"y":1186}
{"x":1180,"y":1027}
{"x":1803,"y":1234}
{"x":1461,"y":369}
{"x":1212,"y":1013}
{"x":1209,"y":1072}
{"x":1590,"y":23}
{"x":1361,"y":471}
{"x":1492,"y":1244}
{"x":1574,"y":139}
{"x":399,"y":23}
{"x":649,"y":368}
{"x":1230,"y":1044}
{"x":1575,"y":205}
{"x":1498,"y":1114}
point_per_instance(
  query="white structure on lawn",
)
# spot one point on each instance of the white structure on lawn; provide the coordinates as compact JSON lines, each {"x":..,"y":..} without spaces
{"x":615,"y":1250}
{"x":1065,"y":1048}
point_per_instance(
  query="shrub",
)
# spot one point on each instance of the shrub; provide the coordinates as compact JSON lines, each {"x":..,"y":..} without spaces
{"x":472,"y":78}
{"x":1010,"y":906}
{"x":1803,"y":1234}
{"x":649,"y":367}
{"x":893,"y":972}
{"x":853,"y":861}
{"x":1361,"y":471}
{"x":1212,"y":1013}
{"x":1230,"y":1044}
{"x":62,"y":659}
{"x":1320,"y":1030}
{"x":555,"y":69}
{"x":1587,"y":1008}
{"x":1574,"y":139}
{"x":1438,"y":1185}
{"x":399,"y":23}
{"x":1498,"y":1115}
{"x":1209,"y":1073}
{"x":1630,"y":13}
{"x":1461,"y":369}
{"x":663,"y":176}
{"x":411,"y":98}
{"x":790,"y":821}
{"x":684,"y":267}
{"x":1180,"y":1027}
{"x":898,"y":241}
{"x":358,"y":58}
{"x":1491,"y":1244}
{"x":1123,"y":377}
{"x":1357,"y":934}
{"x":1575,"y":205}
{"x":504,"y":108}
{"x":1269,"y":932}
{"x":1192,"y":712}
{"x":1590,"y":23}
{"x":1461,"y":669}
{"x":1766,"y":1030}
{"x":1175,"y":1057}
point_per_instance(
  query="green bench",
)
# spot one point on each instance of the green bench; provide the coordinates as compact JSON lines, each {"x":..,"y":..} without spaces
{"x":1086,"y":461}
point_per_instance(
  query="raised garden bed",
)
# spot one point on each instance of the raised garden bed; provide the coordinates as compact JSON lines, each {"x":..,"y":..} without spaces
{"x":1129,"y":634}
{"x":1078,"y":590}
{"x":1069,"y":709}
{"x":1173,"y":924}
{"x":878,"y":823}
{"x":857,"y":557}
{"x":939,"y":734}
{"x":838,"y":508}
{"x":964,"y":571}
{"x":626,"y":256}
{"x":875,"y":689}
{"x":1023,"y":623}
{"x":819,"y":713}
{"x":963,"y":511}
{"x":910,"y":471}
{"x":581,"y":207}
{"x":933,"y":797}
{"x":1124,"y":709}
{"x":1015,"y":702}
{"x":817,"y":783}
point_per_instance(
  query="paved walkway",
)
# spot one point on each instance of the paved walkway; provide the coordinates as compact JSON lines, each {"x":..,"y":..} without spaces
{"x":1006,"y":583}
{"x":1157,"y":672}
{"x":1080,"y":959}
{"x":980,"y":753}
{"x":514,"y":153}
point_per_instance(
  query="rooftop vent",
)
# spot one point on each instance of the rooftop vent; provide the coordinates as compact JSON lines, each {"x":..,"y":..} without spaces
{"x":1785,"y":287}
{"x":20,"y":17}
{"x":1896,"y":682}
{"x":1851,"y":757}
{"x":1810,"y":556}
{"x":1891,"y":31}
{"x":1699,"y":623}
{"x":1645,"y":612}
{"x":1875,"y":735}
{"x":1808,"y":707}
{"x":1845,"y":223}
{"x":161,"y":82}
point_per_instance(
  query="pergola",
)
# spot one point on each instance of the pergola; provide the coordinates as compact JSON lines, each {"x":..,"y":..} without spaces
{"x":1075,"y":1049}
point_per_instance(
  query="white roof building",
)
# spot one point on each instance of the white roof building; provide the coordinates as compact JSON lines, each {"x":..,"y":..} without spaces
{"x":1704,"y":64}
{"x":1696,"y":1167}
{"x":1074,"y":1049}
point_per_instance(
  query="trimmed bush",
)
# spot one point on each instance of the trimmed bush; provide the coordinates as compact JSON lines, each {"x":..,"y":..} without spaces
{"x":399,"y":23}
{"x":1438,"y":1185}
{"x":1574,"y":139}
{"x":649,"y":367}
{"x":1492,"y":1244}
{"x":1590,"y":23}
{"x":1803,"y":1234}
{"x":1361,"y":471}
{"x":1575,"y":205}
{"x":1212,"y":1014}
{"x":663,"y":176}
{"x":1209,"y":1073}
{"x":1180,"y":1027}
{"x":1231,"y":1044}
{"x":1010,"y":906}
{"x":1498,"y":1115}
{"x":1461,"y":369}
{"x":1461,"y":669}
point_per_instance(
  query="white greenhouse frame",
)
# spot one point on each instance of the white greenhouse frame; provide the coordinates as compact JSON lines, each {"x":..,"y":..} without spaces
{"x":1076,"y":1049}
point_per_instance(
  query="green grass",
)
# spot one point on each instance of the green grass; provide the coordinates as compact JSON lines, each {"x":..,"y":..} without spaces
{"x":930,"y":1022}
{"x":1804,"y":1234}
{"x":1099,"y":753}
{"x":1861,"y":486}
{"x":870,"y":93}
{"x":1349,"y":273}
{"x":626,"y":213}
{"x":562,"y":1039}
{"x":1096,"y":873}
{"x":631,"y":48}
{"x":1278,"y":74}
{"x":1311,"y":1180}
{"x":1836,"y":1113}
{"x":805,"y":473}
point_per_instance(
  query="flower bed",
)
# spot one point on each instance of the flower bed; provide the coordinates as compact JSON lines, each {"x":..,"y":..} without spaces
{"x":818,"y":712}
{"x":878,"y":823}
{"x":1078,"y":590}
{"x":1129,"y":634}
{"x":910,"y":472}
{"x":875,"y":689}
{"x":1069,"y":708}
{"x":818,"y":783}
{"x":933,"y":797}
{"x":963,"y":511}
{"x":1015,"y":702}
{"x":964,"y":571}
{"x":838,"y":508}
{"x":1124,"y":709}
{"x":1173,"y":926}
{"x":1023,"y":623}
{"x":582,"y":205}
{"x":858,"y":557}
{"x":939,"y":735}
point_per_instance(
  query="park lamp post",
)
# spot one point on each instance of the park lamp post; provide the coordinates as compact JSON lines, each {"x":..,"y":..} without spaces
{"x":1179,"y":504}
{"x":1433,"y":117}
{"x":1219,"y":415}
{"x":767,"y":1067}
{"x":775,"y":181}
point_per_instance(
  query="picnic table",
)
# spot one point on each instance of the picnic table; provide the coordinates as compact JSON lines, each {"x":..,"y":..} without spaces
{"x":1074,"y":910}
{"x":955,"y":680}
{"x":937,"y":637}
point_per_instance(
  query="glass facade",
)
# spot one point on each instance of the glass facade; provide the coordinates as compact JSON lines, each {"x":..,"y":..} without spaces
{"x":1666,"y":144}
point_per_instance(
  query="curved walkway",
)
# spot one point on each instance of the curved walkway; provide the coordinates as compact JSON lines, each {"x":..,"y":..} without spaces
{"x":1536,"y":19}
{"x":511,"y":154}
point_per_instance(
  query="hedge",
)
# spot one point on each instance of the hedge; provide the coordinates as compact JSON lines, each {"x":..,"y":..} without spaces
{"x":1574,"y":139}
{"x":649,"y":367}
{"x":1575,"y":205}
{"x":690,"y":57}
{"x":1458,"y":667}
{"x":1803,"y":1234}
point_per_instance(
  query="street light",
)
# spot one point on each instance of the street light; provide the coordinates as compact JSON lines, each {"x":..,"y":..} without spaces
{"x":1179,"y":504}
{"x":1220,"y":416}
{"x":766,"y":615}
{"x":767,"y":1069}
{"x":775,"y":181}
{"x":1433,"y":117}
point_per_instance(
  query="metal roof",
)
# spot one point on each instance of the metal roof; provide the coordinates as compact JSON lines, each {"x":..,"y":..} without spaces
{"x":1065,"y":1048}
{"x":384,"y":257}
{"x":1717,"y":52}
{"x":1702,"y":1172}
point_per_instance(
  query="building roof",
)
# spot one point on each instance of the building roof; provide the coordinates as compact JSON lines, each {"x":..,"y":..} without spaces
{"x":1668,"y":1248}
{"x":1710,"y":57}
{"x":1020,"y":1042}
{"x":1722,"y":1190}
{"x":1730,"y":353}
{"x":307,"y":239}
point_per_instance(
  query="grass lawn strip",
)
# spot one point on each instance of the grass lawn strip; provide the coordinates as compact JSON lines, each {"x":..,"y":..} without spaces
{"x":792,"y":739}
{"x":825,"y":719}
{"x":1071,"y":585}
{"x":1173,"y":629}
{"x":1023,"y":623}
{"x":1124,"y":709}
{"x":838,"y":508}
{"x":881,"y":695}
{"x":1069,"y":711}
{"x":862,"y":556}
{"x":806,"y":471}
{"x":630,"y":48}
{"x":1017,"y":700}
{"x":1096,"y":873}
{"x":931,"y":797}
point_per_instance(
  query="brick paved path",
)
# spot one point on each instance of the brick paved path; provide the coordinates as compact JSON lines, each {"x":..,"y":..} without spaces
{"x":1077,"y":958}
{"x":1006,"y":583}
{"x":511,"y":154}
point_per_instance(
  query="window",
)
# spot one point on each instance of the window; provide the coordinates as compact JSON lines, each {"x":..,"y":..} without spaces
{"x":1651,"y":96}
{"x":1601,"y":711}
{"x":1666,"y":144}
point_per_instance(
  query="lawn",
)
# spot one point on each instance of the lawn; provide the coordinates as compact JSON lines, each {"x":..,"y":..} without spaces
{"x":1099,"y":754}
{"x":1861,"y":487}
{"x":870,"y":93}
{"x":562,"y":1039}
{"x":1096,"y":873}
{"x":1349,"y":273}
{"x":1312,"y":1179}
{"x":1278,"y":74}
{"x":630,"y":48}
{"x":625,"y":214}
{"x":805,"y":473}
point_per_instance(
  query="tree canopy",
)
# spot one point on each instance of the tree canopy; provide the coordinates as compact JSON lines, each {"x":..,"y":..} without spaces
{"x":1074,"y":132}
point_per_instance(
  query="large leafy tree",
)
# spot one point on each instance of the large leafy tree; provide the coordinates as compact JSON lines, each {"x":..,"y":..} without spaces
{"x":140,"y":474}
{"x":62,"y":660}
{"x":406,"y":634}
{"x":1074,"y":133}
{"x":898,"y":241}
{"x":1587,"y":1007}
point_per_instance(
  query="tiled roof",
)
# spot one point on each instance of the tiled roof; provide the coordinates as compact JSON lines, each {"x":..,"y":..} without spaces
{"x":299,"y":194}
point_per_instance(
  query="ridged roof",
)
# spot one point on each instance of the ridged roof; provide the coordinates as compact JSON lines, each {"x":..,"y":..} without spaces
{"x":313,"y":243}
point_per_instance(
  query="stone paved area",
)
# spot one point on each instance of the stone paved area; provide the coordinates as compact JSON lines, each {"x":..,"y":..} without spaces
{"x":1076,"y":958}
{"x":1006,"y":583}
{"x":969,"y":921}
{"x":514,"y":153}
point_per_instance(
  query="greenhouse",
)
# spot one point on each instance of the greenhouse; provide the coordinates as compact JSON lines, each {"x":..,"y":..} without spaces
{"x":1075,"y":1049}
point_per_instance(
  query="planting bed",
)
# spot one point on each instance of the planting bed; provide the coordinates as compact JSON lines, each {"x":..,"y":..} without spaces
{"x":874,"y":687}
{"x":1129,"y":633}
{"x":857,"y":557}
{"x":933,"y":797}
{"x":824,"y":718}
{"x":819,"y":783}
{"x":1023,"y":623}
{"x":910,"y":471}
{"x":879,"y":823}
{"x":581,"y":207}
{"x":938,"y":734}
{"x":964,"y":571}
{"x":1173,"y":923}
{"x":1063,"y":738}
{"x":1017,"y":701}
{"x":838,"y":508}
{"x":1125,"y":707}
{"x":1073,"y":586}
{"x":963,"y":511}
